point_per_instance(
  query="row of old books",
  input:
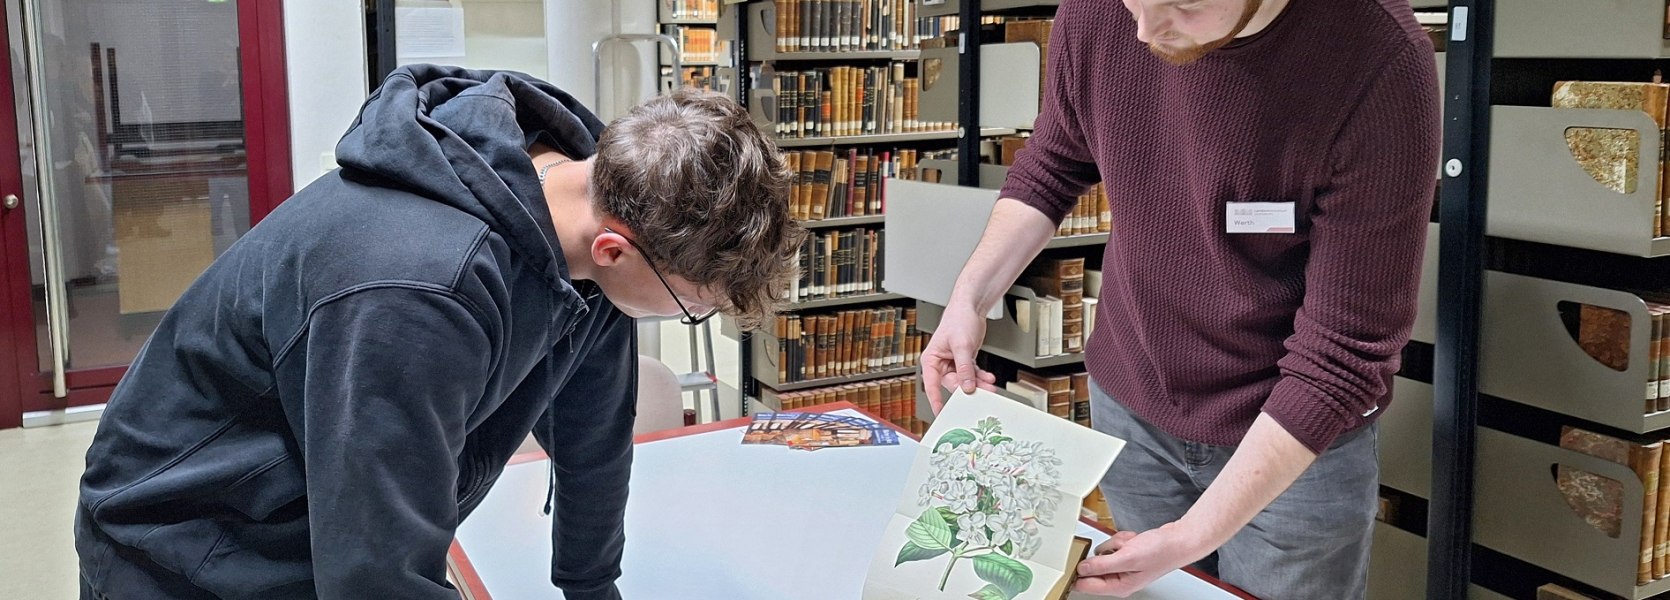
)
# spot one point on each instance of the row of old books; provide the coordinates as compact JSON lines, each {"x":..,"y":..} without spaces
{"x":846,"y":25}
{"x":1090,"y":214}
{"x":1065,"y":396}
{"x":1061,"y":313}
{"x":1604,"y":333}
{"x":893,"y":400}
{"x":827,"y":185}
{"x":1613,"y":156}
{"x":690,"y":10}
{"x":838,"y":264}
{"x":847,"y":101}
{"x":1599,"y":500}
{"x":700,"y":44}
{"x":845,"y":343}
{"x":932,"y":32}
{"x":701,"y":78}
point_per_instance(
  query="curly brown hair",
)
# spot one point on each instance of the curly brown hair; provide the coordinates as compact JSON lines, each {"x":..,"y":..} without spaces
{"x":706,"y":194}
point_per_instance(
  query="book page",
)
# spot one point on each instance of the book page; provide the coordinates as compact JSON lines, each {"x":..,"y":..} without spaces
{"x":991,"y":504}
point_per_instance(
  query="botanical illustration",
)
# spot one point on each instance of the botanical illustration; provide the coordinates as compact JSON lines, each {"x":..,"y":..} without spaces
{"x":984,"y":500}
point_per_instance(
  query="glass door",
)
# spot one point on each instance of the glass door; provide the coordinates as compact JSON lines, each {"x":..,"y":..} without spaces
{"x":142,"y":155}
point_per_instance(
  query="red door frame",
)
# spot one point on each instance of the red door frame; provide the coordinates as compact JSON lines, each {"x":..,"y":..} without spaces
{"x":23,"y":387}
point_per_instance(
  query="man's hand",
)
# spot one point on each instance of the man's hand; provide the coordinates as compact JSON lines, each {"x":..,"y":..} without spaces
{"x":1128,"y":561}
{"x":948,"y":361}
{"x":1268,"y":460}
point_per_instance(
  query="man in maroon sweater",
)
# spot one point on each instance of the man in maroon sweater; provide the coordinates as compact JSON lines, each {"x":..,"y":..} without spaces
{"x":1270,"y":171}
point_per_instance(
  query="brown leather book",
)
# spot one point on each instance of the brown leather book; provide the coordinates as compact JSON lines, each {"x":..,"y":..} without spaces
{"x":782,"y":332}
{"x":1599,"y":500}
{"x":1611,"y":156}
{"x":1661,"y":524}
{"x":1553,"y":591}
{"x":1081,"y":398}
{"x":824,"y":165}
{"x":1603,"y":333}
{"x":792,"y":160}
{"x":1011,"y":148}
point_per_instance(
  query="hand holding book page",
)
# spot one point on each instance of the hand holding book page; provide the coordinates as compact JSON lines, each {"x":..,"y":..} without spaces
{"x":991,"y":504}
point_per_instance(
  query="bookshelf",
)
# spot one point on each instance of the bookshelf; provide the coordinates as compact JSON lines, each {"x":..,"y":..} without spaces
{"x":837,"y":222}
{"x":938,"y":226}
{"x":1544,"y":332}
{"x":798,"y":70}
{"x":847,"y":56}
{"x":844,"y":301}
{"x":860,"y":140}
{"x":1075,"y":241}
{"x":834,"y":381}
{"x":704,"y":52}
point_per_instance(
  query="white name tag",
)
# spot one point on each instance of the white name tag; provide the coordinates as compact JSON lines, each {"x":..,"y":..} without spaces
{"x":1259,"y":217}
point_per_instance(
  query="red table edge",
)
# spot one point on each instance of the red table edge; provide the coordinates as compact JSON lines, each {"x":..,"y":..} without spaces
{"x":476,"y":590}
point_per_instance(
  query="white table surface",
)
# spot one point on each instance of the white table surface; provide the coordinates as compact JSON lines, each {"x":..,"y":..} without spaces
{"x":711,"y":518}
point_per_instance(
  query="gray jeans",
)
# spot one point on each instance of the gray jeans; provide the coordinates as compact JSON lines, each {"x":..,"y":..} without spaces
{"x":1312,"y":543}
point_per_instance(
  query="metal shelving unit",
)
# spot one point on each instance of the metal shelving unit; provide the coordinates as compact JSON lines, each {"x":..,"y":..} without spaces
{"x":796,"y":386}
{"x":844,"y":222}
{"x":882,"y":138}
{"x":852,"y":55}
{"x":755,"y":23}
{"x":844,"y":301}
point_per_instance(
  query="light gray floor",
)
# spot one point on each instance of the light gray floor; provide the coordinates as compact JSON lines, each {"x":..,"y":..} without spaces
{"x":38,"y":473}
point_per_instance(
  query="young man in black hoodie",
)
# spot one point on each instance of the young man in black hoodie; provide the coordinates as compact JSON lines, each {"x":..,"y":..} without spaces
{"x":340,"y":389}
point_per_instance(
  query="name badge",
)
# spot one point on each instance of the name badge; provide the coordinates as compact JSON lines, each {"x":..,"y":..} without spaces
{"x":1259,"y":217}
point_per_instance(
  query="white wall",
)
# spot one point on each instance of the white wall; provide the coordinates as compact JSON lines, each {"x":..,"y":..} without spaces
{"x":324,"y":42}
{"x":325,"y":46}
{"x":629,"y":71}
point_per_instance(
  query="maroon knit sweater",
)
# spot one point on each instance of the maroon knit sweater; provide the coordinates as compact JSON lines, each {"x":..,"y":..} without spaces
{"x":1334,"y":107}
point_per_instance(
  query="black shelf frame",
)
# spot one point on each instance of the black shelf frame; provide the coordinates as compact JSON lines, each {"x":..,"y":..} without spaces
{"x":968,"y":91}
{"x":1462,"y":204}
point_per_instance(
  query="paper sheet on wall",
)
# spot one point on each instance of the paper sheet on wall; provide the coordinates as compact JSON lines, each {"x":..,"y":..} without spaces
{"x":429,"y":32}
{"x":991,"y":504}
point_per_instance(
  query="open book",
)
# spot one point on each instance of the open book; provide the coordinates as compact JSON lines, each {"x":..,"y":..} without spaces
{"x":991,"y":505}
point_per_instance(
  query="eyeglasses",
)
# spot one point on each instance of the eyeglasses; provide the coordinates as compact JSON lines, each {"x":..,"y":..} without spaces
{"x":689,"y":319}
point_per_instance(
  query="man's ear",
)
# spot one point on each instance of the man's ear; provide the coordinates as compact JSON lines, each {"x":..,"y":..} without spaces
{"x":608,"y":249}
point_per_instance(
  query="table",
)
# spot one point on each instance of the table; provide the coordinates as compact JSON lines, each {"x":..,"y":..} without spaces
{"x":709,"y":517}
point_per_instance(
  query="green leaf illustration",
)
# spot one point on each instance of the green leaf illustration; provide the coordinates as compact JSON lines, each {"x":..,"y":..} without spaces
{"x":956,"y":437}
{"x":949,"y":515}
{"x":1008,"y":548}
{"x":930,"y":531}
{"x":1006,"y":573}
{"x":912,"y":553}
{"x":990,"y":592}
{"x":998,"y":439}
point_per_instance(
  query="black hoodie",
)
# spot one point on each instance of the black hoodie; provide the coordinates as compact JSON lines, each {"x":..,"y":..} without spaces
{"x":320,"y":410}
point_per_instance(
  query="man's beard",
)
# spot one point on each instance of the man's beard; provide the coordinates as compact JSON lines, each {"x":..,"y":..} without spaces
{"x":1192,"y":53}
